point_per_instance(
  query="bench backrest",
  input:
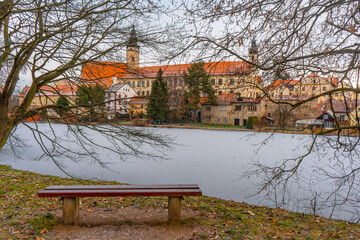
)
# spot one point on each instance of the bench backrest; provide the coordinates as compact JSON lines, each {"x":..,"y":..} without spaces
{"x":121,"y":190}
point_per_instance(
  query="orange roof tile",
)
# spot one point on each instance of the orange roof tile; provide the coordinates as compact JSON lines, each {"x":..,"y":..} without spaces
{"x":66,"y":89}
{"x":102,"y":72}
{"x":226,"y":98}
{"x":277,"y":83}
{"x":313,"y":75}
{"x":213,"y":68}
{"x":137,"y":100}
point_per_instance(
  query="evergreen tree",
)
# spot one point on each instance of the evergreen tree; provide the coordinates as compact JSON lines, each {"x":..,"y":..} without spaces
{"x":197,"y":81}
{"x":93,"y":97}
{"x":62,"y":103}
{"x":158,"y":106}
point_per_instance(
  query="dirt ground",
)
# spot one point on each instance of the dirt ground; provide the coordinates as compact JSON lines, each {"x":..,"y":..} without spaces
{"x":130,"y":223}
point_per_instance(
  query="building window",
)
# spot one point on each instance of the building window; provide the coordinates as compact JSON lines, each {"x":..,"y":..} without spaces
{"x":207,"y":108}
{"x":226,"y":120}
{"x":303,"y":88}
{"x":252,"y":108}
{"x":147,"y":93}
{"x":170,"y":82}
{"x":220,"y":81}
{"x":218,"y":120}
{"x":232,"y":81}
{"x":143,"y":83}
{"x":272,"y":94}
{"x":237,"y":107}
{"x":142,"y":106}
{"x":207,"y":117}
{"x":326,"y":117}
{"x":138,"y":92}
{"x":148,"y":83}
{"x":204,"y":94}
{"x":342,"y":118}
{"x":212,"y":81}
{"x":222,"y":108}
{"x":220,"y":92}
{"x":133,"y":83}
{"x":181,"y":82}
{"x":138,"y":84}
{"x":175,"y":82}
{"x":143,"y":93}
{"x":269,"y":114}
{"x":324,"y":88}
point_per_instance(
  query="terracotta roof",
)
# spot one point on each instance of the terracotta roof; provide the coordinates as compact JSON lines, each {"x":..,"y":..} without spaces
{"x":313,"y":75}
{"x":59,"y":89}
{"x":332,"y":80}
{"x":214,"y":68}
{"x":24,"y":91}
{"x":277,"y":83}
{"x":137,"y":100}
{"x":226,"y":98}
{"x":102,"y":72}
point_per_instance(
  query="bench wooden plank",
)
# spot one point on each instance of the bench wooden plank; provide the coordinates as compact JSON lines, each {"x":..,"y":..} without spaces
{"x":95,"y":187}
{"x":119,"y":192}
{"x":71,"y":194}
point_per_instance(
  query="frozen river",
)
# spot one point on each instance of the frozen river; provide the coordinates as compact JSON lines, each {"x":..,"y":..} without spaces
{"x":214,"y":159}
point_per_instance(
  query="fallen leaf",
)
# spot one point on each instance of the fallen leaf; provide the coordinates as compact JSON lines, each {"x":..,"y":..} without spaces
{"x":251,"y":213}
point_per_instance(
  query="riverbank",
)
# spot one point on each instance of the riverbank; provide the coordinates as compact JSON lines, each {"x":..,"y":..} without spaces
{"x":24,"y":216}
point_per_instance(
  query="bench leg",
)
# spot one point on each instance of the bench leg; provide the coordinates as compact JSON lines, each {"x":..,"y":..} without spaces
{"x":71,"y":210}
{"x":174,"y":208}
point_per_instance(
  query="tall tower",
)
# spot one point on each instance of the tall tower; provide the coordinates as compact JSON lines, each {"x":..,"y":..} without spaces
{"x":132,"y":51}
{"x":254,"y":59}
{"x":253,"y":52}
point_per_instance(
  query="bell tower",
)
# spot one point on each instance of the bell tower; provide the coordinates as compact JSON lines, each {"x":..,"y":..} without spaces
{"x":132,"y":51}
{"x":253,"y":52}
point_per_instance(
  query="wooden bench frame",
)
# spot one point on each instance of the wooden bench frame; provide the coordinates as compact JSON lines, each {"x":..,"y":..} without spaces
{"x":71,"y":195}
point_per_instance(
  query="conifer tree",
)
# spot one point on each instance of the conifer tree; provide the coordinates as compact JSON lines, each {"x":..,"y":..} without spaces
{"x":158,"y":106}
{"x":197,"y":81}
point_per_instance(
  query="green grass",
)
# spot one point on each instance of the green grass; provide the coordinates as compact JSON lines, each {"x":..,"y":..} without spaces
{"x":25,"y":216}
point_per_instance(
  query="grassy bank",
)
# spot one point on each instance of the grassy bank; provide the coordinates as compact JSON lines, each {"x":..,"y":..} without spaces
{"x":24,"y":216}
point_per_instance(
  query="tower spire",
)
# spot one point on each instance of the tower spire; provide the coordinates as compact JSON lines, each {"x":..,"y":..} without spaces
{"x":132,"y":50}
{"x":253,"y":52}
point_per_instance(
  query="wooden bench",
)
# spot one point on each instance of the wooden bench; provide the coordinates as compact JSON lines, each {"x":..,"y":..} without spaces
{"x":71,"y":194}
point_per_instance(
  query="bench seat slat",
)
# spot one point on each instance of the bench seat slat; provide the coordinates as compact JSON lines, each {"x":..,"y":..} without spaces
{"x":119,"y":193}
{"x":101,"y":187}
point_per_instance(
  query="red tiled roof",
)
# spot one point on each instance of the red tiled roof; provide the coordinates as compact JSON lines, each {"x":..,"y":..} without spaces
{"x":137,"y":100}
{"x":24,"y":91}
{"x":313,"y":75}
{"x":65,"y":89}
{"x":332,"y":80}
{"x":277,"y":83}
{"x":214,"y":68}
{"x":102,"y":72}
{"x":226,"y":98}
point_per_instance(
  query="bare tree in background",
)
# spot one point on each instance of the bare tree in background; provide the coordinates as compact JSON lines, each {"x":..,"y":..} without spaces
{"x":295,"y":39}
{"x":50,"y":41}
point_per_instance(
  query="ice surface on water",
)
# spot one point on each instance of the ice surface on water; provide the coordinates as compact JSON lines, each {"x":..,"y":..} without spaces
{"x":214,"y":159}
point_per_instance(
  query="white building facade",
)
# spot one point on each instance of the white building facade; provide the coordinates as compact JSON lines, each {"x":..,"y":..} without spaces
{"x":117,"y":98}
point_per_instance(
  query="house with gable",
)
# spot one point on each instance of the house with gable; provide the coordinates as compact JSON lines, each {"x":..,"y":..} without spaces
{"x":230,"y":110}
{"x":117,"y":98}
